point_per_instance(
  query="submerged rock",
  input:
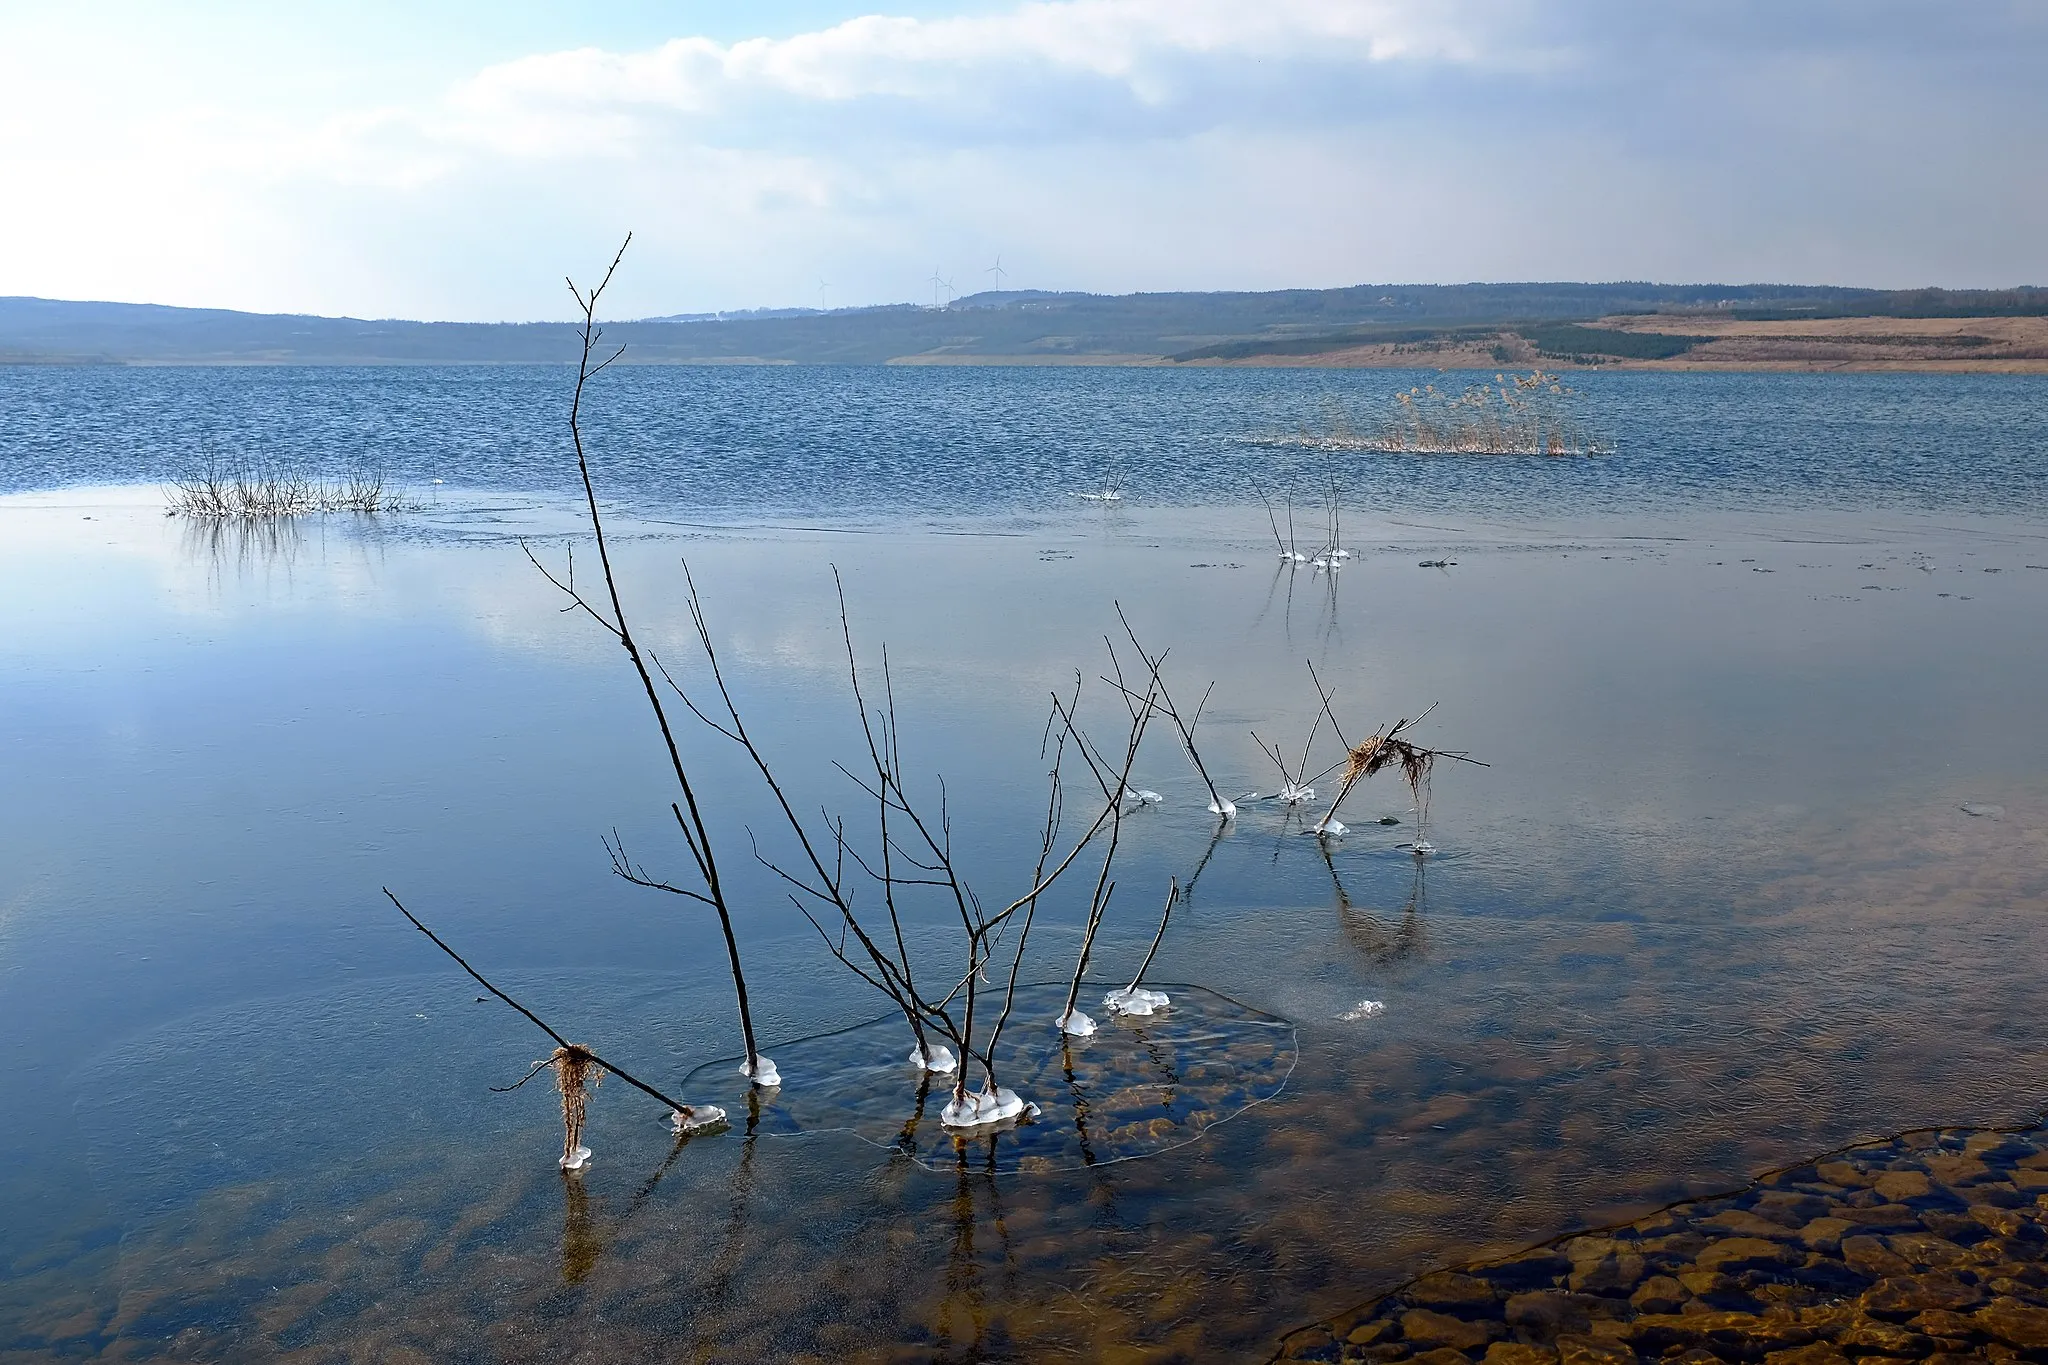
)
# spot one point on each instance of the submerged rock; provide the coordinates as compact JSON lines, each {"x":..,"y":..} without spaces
{"x":1930,"y":1246}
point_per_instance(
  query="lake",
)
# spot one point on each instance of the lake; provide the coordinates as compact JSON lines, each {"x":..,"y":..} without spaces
{"x":1757,"y":867}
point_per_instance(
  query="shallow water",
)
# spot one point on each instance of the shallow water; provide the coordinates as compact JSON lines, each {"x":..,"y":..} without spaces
{"x":1716,"y":903}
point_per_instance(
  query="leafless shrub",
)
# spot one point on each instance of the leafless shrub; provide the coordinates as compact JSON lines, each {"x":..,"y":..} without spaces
{"x":260,"y":490}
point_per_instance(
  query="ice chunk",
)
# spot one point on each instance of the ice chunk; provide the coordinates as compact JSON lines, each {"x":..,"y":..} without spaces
{"x":1142,"y":798}
{"x":985,"y":1109}
{"x":1076,"y":1024}
{"x":935,"y":1057}
{"x":1294,"y":795}
{"x":1364,"y":1009}
{"x":761,"y":1072}
{"x":1226,"y":809}
{"x":1331,"y":829}
{"x":1421,"y":848}
{"x":576,"y":1160}
{"x":1137,"y":1001}
{"x":702,"y":1118}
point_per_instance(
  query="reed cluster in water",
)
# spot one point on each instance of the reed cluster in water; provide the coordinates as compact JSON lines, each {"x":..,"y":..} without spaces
{"x":1529,"y":414}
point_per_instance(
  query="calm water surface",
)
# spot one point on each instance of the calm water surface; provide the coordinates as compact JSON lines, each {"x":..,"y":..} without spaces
{"x":1715,"y":903}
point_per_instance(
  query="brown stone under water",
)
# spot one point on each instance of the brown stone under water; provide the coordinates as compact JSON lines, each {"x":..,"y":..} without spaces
{"x":1929,"y":1246}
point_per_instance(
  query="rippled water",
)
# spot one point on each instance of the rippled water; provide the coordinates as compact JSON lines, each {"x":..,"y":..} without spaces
{"x":914,"y":443}
{"x":1716,"y":903}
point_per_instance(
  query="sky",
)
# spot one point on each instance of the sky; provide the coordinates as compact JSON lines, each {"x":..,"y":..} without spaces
{"x":455,"y":160}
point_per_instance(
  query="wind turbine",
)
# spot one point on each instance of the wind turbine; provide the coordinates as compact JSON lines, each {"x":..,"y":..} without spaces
{"x":997,"y":271}
{"x":938,"y":282}
{"x":823,"y":285}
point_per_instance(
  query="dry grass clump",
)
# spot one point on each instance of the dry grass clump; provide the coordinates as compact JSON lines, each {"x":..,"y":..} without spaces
{"x":1377,"y":751}
{"x":576,"y":1075}
{"x":1524,"y":415}
{"x":1514,"y":415}
{"x":264,"y":491}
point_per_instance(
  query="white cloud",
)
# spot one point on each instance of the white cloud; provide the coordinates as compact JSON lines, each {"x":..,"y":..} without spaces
{"x":1100,"y":144}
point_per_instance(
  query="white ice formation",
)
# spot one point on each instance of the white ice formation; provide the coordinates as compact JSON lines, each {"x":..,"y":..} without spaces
{"x":1294,"y":795}
{"x":1142,"y":798}
{"x":761,"y":1072}
{"x":1137,"y":1001}
{"x":1364,"y":1009}
{"x":1422,"y":848}
{"x":1331,"y":829}
{"x":1223,"y":807}
{"x":576,"y":1160}
{"x":1076,"y":1024}
{"x":701,"y":1118}
{"x":985,"y":1110}
{"x":936,"y":1058}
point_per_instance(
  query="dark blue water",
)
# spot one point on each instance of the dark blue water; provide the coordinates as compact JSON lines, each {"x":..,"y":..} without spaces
{"x":864,"y":442}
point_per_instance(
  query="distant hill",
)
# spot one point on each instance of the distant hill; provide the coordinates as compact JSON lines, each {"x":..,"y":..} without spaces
{"x":1016,"y":326}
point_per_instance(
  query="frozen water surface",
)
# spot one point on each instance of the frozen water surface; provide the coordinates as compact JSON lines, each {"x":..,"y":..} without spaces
{"x":1133,"y":1088}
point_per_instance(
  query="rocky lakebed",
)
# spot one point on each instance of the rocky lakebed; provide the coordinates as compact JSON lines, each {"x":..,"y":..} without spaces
{"x":1927,"y":1246}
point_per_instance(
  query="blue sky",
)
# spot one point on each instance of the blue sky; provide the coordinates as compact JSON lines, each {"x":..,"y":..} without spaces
{"x":454,"y":160}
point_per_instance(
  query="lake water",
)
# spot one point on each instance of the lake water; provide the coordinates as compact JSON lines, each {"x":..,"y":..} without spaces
{"x":1759,"y":865}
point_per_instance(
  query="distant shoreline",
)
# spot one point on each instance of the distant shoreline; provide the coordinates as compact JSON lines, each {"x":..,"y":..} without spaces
{"x":1478,"y":326}
{"x":1678,"y":342}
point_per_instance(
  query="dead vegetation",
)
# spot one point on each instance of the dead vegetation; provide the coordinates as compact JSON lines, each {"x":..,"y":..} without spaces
{"x":874,"y":878}
{"x":1531,"y":414}
{"x":261,"y":490}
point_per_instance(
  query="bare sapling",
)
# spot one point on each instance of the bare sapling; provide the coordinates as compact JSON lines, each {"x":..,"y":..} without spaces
{"x":1290,"y":553}
{"x":610,"y":614}
{"x":577,"y":1068}
{"x":1135,"y":1000}
{"x":1219,"y":805}
{"x":857,"y":892}
{"x":1294,"y":780}
{"x":1113,"y":778}
{"x":1333,"y":553}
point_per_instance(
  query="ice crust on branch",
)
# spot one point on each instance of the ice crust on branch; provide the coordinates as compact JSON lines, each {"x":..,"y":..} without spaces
{"x":1225,"y":808}
{"x":761,"y":1071}
{"x":984,"y":1109}
{"x":1135,"y":1001}
{"x":1294,"y":795}
{"x":936,"y":1058}
{"x":701,"y":1118}
{"x":1331,"y":829}
{"x":1076,"y":1024}
{"x":576,"y":1158}
{"x":1142,"y":798}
